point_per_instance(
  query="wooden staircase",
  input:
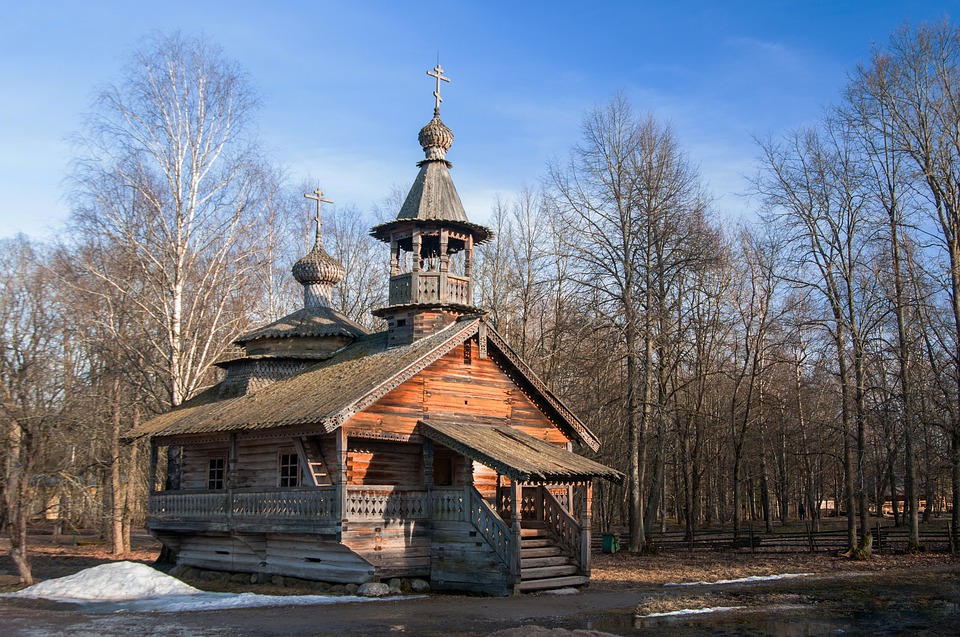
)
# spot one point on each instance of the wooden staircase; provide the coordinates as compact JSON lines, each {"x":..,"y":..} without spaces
{"x":543,"y":566}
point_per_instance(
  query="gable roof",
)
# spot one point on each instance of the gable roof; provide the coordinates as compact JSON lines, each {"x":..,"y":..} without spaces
{"x":515,"y":454}
{"x":329,"y":393}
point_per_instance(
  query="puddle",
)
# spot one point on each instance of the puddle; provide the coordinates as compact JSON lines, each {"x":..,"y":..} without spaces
{"x":728,"y":623}
{"x":794,"y":621}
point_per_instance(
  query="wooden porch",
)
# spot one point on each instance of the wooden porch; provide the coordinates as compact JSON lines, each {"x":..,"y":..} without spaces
{"x":537,"y":544}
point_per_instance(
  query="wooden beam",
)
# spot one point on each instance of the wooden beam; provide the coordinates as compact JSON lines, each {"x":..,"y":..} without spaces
{"x":341,"y":475}
{"x":585,"y":513}
{"x":516,"y":493}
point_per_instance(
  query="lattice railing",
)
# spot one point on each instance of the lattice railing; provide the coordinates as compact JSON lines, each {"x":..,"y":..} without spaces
{"x":310,"y":504}
{"x":216,"y":506}
{"x":493,"y":529}
{"x":387,"y":503}
{"x":187,"y":504}
{"x":448,"y":504}
{"x":561,"y":526}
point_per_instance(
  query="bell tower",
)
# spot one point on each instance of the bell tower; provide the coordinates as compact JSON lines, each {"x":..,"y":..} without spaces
{"x":431,"y":244}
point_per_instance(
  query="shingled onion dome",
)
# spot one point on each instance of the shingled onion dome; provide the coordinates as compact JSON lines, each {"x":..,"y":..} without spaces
{"x":318,"y":272}
{"x":435,"y":138}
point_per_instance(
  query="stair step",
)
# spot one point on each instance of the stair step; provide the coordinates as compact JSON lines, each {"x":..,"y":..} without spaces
{"x":548,"y":583}
{"x":533,"y":532}
{"x":546,"y":551}
{"x":535,"y":543}
{"x":538,"y":562}
{"x":547,"y":571}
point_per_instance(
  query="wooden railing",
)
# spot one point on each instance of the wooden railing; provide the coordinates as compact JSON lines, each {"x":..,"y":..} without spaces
{"x":316,"y":504}
{"x":187,"y":504}
{"x":448,"y":504}
{"x":490,"y":526}
{"x":561,"y":526}
{"x":429,"y":286}
{"x":386,"y":503}
{"x":466,"y":503}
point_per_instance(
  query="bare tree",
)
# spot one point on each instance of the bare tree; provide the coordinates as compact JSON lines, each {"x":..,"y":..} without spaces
{"x":911,"y":88}
{"x":624,"y":195}
{"x":170,"y":176}
{"x":30,"y":384}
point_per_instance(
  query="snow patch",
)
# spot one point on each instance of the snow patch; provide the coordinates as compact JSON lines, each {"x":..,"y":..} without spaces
{"x":114,"y":582}
{"x":132,"y":587}
{"x":752,"y":578}
{"x":691,"y":611}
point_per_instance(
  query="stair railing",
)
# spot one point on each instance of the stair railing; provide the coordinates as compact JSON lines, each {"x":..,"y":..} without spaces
{"x":490,"y":526}
{"x":562,"y":527}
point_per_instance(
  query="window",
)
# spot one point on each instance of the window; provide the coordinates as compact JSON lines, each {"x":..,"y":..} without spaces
{"x":289,"y":465}
{"x":216,"y":472}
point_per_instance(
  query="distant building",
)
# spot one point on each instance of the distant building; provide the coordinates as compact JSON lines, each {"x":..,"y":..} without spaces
{"x":429,"y":449}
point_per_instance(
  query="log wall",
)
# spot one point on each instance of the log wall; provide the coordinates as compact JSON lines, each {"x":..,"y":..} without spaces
{"x":301,"y":556}
{"x":257,"y":460}
{"x":458,"y":386}
{"x":462,"y":561}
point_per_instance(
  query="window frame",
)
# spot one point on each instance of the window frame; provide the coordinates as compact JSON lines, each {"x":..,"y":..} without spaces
{"x":213,"y":480}
{"x":295,"y":464}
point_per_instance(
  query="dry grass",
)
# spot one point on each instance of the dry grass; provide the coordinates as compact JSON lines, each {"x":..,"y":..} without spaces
{"x":626,"y":570}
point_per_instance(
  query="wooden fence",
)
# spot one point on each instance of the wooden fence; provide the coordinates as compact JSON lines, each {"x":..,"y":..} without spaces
{"x":887,"y":539}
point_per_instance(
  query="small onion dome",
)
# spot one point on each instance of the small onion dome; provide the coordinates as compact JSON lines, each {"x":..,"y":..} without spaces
{"x":318,"y":267}
{"x":435,"y":138}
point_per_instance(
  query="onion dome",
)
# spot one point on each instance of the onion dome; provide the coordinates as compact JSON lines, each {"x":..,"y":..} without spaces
{"x":435,"y":138}
{"x":318,"y":267}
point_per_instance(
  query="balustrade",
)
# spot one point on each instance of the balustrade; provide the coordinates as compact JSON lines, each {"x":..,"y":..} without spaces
{"x":218,"y":506}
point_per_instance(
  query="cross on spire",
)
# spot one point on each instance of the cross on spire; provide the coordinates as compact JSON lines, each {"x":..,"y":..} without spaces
{"x":438,"y":73}
{"x":317,"y":196}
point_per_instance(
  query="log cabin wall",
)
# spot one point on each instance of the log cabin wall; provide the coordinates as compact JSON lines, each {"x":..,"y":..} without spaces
{"x":460,"y":385}
{"x":379,"y":462}
{"x":195,"y":464}
{"x":257,"y":460}
{"x":305,"y":556}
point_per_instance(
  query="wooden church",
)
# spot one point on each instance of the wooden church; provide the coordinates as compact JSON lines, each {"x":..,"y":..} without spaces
{"x":427,"y":450}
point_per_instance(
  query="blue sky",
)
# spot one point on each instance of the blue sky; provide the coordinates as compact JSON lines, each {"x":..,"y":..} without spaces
{"x":345,"y":92}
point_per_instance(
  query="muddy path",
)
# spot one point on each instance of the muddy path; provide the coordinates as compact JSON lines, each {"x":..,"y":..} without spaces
{"x":891,"y":602}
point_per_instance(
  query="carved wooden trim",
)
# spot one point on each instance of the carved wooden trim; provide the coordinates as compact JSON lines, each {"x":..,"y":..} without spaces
{"x":409,"y":372}
{"x":529,"y":377}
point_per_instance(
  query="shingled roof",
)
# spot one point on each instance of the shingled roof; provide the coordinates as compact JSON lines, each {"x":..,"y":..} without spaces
{"x":333,"y":390}
{"x":309,"y":321}
{"x":326,"y":394}
{"x":515,"y":454}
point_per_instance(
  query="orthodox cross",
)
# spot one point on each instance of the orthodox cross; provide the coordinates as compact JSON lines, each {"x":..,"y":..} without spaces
{"x":317,"y":196}
{"x":438,"y":73}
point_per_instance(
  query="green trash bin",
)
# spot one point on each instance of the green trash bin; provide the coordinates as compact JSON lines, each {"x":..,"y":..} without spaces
{"x":611,"y":543}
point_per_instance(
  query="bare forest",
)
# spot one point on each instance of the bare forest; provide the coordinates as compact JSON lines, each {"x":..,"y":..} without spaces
{"x":801,"y":362}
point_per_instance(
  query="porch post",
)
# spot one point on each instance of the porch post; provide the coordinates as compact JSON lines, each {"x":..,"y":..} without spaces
{"x":342,"y":477}
{"x":585,"y":512}
{"x":152,"y":472}
{"x":428,"y":473}
{"x":516,"y":491}
{"x":231,"y":476}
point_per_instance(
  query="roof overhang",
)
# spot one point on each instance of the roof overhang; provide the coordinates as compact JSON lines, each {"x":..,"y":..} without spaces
{"x":514,"y":453}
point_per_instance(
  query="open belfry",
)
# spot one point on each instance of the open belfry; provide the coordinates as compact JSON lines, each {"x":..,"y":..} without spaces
{"x":427,"y":450}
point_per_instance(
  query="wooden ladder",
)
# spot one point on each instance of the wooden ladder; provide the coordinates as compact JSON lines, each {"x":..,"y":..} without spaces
{"x":311,"y":460}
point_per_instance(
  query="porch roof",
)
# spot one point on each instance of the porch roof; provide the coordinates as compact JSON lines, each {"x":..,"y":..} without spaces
{"x":514,"y":453}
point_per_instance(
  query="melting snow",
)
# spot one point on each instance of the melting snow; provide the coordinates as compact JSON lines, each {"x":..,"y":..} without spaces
{"x":753,"y":578}
{"x":692,"y":611}
{"x":128,"y":586}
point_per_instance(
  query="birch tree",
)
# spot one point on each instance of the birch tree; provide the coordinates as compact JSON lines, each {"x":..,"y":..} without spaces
{"x":171,"y":177}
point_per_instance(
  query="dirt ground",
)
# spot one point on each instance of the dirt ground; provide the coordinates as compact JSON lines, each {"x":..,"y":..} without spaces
{"x":887,"y":595}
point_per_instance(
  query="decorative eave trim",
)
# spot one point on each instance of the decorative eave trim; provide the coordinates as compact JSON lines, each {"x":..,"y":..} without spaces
{"x":575,"y":424}
{"x":381,"y":390}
